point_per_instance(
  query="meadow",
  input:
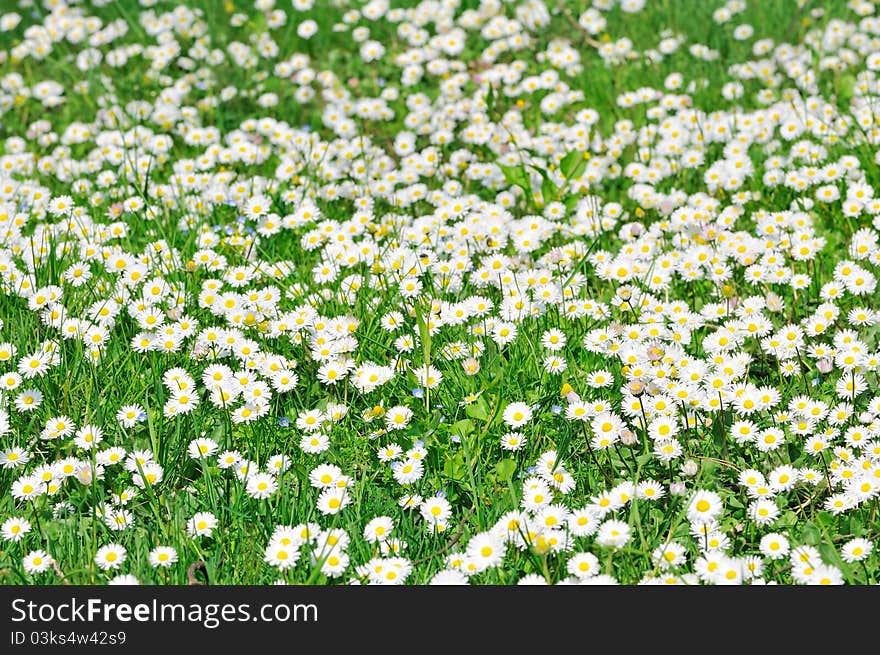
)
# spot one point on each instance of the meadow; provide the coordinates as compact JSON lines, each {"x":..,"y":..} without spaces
{"x":444,"y":292}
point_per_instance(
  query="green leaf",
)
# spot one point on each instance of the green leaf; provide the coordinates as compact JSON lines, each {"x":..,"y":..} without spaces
{"x":463,"y":427}
{"x":479,"y":409}
{"x":506,"y":468}
{"x":856,"y":526}
{"x":549,"y":190}
{"x":735,"y":502}
{"x":787,"y":520}
{"x":810,"y":534}
{"x":825,"y":519}
{"x":424,"y":335}
{"x":518,"y":176}
{"x":829,"y":554}
{"x":455,"y":467}
{"x":490,"y":99}
{"x":708,"y":467}
{"x":657,"y":515}
{"x":52,"y":531}
{"x":847,"y":87}
{"x":573,"y":164}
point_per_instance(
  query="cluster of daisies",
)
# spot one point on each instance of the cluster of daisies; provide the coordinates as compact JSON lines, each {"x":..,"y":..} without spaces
{"x":442,"y":322}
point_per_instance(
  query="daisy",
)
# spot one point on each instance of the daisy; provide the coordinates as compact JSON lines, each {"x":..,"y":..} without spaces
{"x":485,"y":550}
{"x":129,"y":415}
{"x":14,"y":457}
{"x":28,"y":400}
{"x":705,"y":505}
{"x":583,"y":565}
{"x":774,"y":545}
{"x":583,"y":522}
{"x":825,"y":574}
{"x":261,"y":485}
{"x":162,"y":556}
{"x":314,"y":443}
{"x":513,"y":441}
{"x":517,"y":414}
{"x":600,"y":379}
{"x":429,"y":377}
{"x":856,"y":550}
{"x":202,"y":448}
{"x":332,"y":500}
{"x":650,"y":490}
{"x":37,"y":561}
{"x":228,"y":459}
{"x":335,"y":565}
{"x":110,"y":556}
{"x":310,"y":420}
{"x":378,"y":529}
{"x":407,"y":471}
{"x":389,"y":453}
{"x":763,"y":511}
{"x":281,"y":556}
{"x":28,"y":488}
{"x":201,"y":524}
{"x":555,"y":364}
{"x":398,"y":417}
{"x":88,"y":437}
{"x":15,"y":528}
{"x":448,"y":577}
{"x":118,"y":519}
{"x":150,"y":473}
{"x":613,"y":533}
{"x":435,"y":509}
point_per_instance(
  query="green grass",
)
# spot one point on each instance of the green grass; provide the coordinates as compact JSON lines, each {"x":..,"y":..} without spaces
{"x":464,"y":459}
